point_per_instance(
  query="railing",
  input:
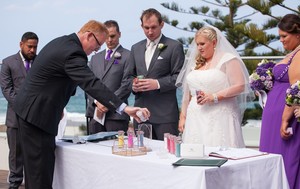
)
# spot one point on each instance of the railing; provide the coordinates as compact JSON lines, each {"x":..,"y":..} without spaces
{"x":262,"y":57}
{"x":254,"y":58}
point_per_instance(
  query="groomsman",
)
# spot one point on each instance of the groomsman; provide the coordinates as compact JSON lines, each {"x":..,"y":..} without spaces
{"x":13,"y":72}
{"x":159,"y":60}
{"x":110,"y":66}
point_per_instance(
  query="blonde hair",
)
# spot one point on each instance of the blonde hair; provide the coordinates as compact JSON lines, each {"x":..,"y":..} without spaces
{"x":211,"y":35}
{"x":94,"y":26}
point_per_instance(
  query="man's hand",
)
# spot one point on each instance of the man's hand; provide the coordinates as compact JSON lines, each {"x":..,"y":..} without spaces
{"x":101,"y":108}
{"x":99,"y":114}
{"x":140,"y":85}
{"x":131,"y":111}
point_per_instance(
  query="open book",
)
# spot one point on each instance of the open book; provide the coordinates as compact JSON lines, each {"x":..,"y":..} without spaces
{"x":237,"y":153}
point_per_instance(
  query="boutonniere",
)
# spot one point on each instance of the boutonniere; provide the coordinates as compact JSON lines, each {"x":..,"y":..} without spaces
{"x":161,"y":46}
{"x":117,"y":55}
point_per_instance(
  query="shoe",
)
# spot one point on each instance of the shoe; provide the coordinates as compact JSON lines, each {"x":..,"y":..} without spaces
{"x":14,"y":185}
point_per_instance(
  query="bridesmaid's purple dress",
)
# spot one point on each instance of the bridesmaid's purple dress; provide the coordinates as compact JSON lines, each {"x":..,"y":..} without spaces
{"x":270,"y":139}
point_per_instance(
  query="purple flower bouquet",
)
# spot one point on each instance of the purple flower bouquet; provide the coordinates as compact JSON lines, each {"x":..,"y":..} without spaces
{"x":262,"y":77}
{"x":293,"y":95}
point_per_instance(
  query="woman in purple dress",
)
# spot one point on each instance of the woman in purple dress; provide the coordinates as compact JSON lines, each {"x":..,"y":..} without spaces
{"x":277,"y":116}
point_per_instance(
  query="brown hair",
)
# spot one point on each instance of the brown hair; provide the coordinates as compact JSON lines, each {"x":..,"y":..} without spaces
{"x":94,"y":26}
{"x":290,"y":23}
{"x":210,"y":34}
{"x":112,"y":23}
{"x":149,"y":12}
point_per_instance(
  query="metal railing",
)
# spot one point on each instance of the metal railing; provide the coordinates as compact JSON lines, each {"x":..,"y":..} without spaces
{"x":262,"y":57}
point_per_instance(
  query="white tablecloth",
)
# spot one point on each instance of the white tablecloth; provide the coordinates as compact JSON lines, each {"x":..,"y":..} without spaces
{"x":93,"y":166}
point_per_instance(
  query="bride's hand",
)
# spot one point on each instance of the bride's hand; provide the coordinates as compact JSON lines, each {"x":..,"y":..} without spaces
{"x":181,"y":124}
{"x":205,"y":98}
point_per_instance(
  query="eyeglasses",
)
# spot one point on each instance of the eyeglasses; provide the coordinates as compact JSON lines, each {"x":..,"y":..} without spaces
{"x":99,"y":44}
{"x":96,"y":39}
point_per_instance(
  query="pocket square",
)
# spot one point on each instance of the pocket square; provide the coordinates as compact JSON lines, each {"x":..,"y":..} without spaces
{"x":160,"y":58}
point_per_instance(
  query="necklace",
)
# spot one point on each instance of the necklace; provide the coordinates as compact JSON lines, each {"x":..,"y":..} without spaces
{"x":205,"y":65}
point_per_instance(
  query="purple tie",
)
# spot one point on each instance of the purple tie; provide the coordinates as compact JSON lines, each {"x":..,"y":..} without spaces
{"x":109,"y":51}
{"x":27,"y":65}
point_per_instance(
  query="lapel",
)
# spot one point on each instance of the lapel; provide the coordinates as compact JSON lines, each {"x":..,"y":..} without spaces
{"x":101,"y":64}
{"x":156,"y":54}
{"x":140,"y":57}
{"x":20,"y":64}
{"x":111,"y":61}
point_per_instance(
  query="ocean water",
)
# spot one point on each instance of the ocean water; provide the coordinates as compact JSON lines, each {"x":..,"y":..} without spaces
{"x":75,"y":108}
{"x":77,"y":105}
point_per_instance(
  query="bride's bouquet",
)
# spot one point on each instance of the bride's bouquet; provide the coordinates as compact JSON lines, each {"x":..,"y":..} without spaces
{"x":262,"y":78}
{"x":293,"y":95}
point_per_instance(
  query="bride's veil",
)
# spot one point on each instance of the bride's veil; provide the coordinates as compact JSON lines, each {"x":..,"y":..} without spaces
{"x":225,"y":58}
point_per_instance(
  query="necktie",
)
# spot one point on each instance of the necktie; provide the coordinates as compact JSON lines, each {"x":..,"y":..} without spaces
{"x":108,"y":54}
{"x":149,"y":53}
{"x":27,"y":65}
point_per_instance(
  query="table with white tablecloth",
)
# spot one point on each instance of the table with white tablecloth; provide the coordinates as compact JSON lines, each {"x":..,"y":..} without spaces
{"x":93,"y":166}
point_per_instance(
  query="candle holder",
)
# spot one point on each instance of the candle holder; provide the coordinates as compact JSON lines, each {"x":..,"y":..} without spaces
{"x":133,"y":146}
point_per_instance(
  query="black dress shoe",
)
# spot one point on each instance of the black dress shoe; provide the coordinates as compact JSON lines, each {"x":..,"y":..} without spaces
{"x":13,"y":187}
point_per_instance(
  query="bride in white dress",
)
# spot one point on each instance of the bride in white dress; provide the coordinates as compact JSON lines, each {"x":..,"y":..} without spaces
{"x":214,"y":68}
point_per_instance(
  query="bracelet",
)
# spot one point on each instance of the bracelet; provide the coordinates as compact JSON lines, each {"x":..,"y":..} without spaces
{"x":216,"y":100}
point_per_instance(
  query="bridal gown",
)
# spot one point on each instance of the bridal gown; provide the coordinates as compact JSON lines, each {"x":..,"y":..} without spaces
{"x":212,"y":124}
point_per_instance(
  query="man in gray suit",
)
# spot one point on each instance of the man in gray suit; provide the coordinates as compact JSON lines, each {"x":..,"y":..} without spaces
{"x":110,"y":66}
{"x":159,"y":60}
{"x":13,"y":72}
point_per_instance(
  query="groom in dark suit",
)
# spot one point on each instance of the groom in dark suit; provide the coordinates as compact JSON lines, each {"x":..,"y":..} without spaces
{"x":110,"y":66}
{"x":59,"y":68}
{"x":13,"y":72}
{"x":159,"y":60}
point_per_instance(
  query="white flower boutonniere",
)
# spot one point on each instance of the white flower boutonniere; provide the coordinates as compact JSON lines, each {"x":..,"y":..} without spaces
{"x":117,"y":55}
{"x":161,"y":46}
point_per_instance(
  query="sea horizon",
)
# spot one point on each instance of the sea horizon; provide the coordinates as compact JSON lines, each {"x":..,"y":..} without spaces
{"x":76,"y":107}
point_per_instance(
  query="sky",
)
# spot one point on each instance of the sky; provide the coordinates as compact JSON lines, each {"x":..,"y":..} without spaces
{"x":53,"y":18}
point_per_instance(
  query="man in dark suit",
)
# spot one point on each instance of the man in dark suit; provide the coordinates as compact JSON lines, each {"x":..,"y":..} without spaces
{"x":110,"y":66}
{"x":159,"y":60}
{"x":59,"y":68}
{"x":13,"y":72}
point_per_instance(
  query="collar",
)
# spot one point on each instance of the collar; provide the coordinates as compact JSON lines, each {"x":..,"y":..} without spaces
{"x":23,"y":59}
{"x":155,"y":41}
{"x":113,"y":49}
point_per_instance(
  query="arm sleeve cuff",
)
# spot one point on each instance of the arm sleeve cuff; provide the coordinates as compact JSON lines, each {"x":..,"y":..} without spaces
{"x":158,"y":86}
{"x":121,"y":108}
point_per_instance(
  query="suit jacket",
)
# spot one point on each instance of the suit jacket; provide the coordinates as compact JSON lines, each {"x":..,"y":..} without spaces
{"x":60,"y":66}
{"x":12,"y":76}
{"x":113,"y":75}
{"x":165,"y":66}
